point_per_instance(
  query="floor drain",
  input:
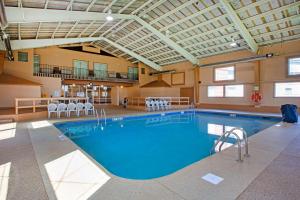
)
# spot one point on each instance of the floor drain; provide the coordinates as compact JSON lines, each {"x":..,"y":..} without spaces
{"x":213,"y":179}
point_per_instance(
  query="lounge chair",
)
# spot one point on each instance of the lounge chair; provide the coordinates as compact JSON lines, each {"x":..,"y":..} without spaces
{"x":162,"y":105}
{"x":51,"y":109}
{"x":62,"y":108}
{"x":71,"y":108}
{"x":88,"y":107}
{"x":149,"y":106}
{"x":156,"y":103}
{"x":167,"y":104}
{"x":79,"y":108}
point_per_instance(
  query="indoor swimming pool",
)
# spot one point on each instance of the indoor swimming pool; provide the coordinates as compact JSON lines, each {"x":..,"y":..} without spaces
{"x":151,"y":146}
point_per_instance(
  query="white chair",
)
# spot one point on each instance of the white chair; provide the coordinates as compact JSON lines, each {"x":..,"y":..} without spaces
{"x":162,"y":105}
{"x":167,"y":104}
{"x":71,"y":108}
{"x":152,"y":103}
{"x":79,"y":108}
{"x":149,"y":105}
{"x":51,"y":109}
{"x":88,"y":107}
{"x":156,"y":103}
{"x":61,"y":108}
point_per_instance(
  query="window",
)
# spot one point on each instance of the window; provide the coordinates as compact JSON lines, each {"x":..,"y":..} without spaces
{"x":234,"y":90}
{"x":133,"y":73}
{"x":142,"y":70}
{"x":81,"y":68}
{"x":22,"y":56}
{"x":100,"y":70}
{"x":294,"y":66}
{"x":215,"y":91}
{"x":36,"y":63}
{"x":224,"y":73}
{"x":290,"y":89}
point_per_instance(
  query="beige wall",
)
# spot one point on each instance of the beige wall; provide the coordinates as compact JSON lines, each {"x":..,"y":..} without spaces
{"x":185,"y":67}
{"x":25,"y":70}
{"x":271,"y":70}
{"x":10,"y":92}
{"x":145,"y":78}
{"x":173,"y":91}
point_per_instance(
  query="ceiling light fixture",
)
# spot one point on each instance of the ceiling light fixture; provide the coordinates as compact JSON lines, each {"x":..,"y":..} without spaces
{"x":109,"y":17}
{"x":233,"y":43}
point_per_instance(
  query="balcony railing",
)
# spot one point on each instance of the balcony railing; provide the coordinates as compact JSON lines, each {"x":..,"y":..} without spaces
{"x":82,"y":73}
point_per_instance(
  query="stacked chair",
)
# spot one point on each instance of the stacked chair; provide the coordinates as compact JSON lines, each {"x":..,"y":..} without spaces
{"x":157,"y":105}
{"x":68,"y":109}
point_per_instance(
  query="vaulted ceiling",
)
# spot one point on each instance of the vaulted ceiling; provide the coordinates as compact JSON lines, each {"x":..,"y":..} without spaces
{"x":159,"y":32}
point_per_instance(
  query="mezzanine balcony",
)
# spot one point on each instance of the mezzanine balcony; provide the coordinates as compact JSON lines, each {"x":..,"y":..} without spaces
{"x":71,"y":73}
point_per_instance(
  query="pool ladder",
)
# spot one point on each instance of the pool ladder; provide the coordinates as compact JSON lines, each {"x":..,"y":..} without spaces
{"x":102,"y":116}
{"x":226,"y":135}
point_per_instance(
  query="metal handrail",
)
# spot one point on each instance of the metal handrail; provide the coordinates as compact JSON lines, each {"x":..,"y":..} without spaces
{"x":245,"y":139}
{"x":81,"y":73}
{"x":226,"y":135}
{"x":102,"y":115}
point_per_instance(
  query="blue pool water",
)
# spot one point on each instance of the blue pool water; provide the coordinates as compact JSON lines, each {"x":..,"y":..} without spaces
{"x":153,"y":146}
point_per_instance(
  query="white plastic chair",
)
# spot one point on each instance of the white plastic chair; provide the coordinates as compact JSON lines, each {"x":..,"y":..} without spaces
{"x":161,"y":105}
{"x":62,"y":108}
{"x":152,"y":104}
{"x":51,"y":109}
{"x":167,"y":104}
{"x":89,"y":108}
{"x":79,"y":108}
{"x":156,"y":103}
{"x":149,"y":105}
{"x":71,"y":108}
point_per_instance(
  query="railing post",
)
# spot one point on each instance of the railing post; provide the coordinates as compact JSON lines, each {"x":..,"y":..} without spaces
{"x":16,"y":106}
{"x":33,"y":105}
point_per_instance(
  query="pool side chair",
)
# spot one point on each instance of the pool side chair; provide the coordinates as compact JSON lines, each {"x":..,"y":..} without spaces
{"x":79,"y":108}
{"x":157,"y":107}
{"x":62,"y":108}
{"x":89,"y":108}
{"x":152,"y":104}
{"x":162,"y":105}
{"x":149,"y":106}
{"x":51,"y":109}
{"x":167,"y":105}
{"x":71,"y":108}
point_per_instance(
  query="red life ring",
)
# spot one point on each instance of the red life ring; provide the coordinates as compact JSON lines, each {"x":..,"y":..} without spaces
{"x":256,"y":97}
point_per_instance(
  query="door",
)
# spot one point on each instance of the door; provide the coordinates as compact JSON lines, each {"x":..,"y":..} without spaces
{"x":81,"y":68}
{"x":133,"y":73}
{"x":36,"y":64}
{"x":187,"y":92}
{"x":100,"y":70}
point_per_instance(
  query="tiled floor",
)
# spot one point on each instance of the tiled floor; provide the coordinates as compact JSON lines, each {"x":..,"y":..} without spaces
{"x":42,"y":166}
{"x":280,"y":180}
{"x":24,"y":180}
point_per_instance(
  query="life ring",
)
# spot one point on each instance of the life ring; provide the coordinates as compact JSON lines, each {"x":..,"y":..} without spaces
{"x":256,"y":97}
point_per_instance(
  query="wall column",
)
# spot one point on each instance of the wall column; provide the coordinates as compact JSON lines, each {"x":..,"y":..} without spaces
{"x":257,"y":84}
{"x":115,"y":95}
{"x":2,"y":57}
{"x":196,"y":84}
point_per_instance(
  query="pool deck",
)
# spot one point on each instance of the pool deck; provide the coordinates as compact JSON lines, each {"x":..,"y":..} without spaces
{"x":44,"y":164}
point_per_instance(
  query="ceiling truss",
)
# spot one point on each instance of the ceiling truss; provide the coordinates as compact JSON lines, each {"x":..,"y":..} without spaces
{"x":159,"y":32}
